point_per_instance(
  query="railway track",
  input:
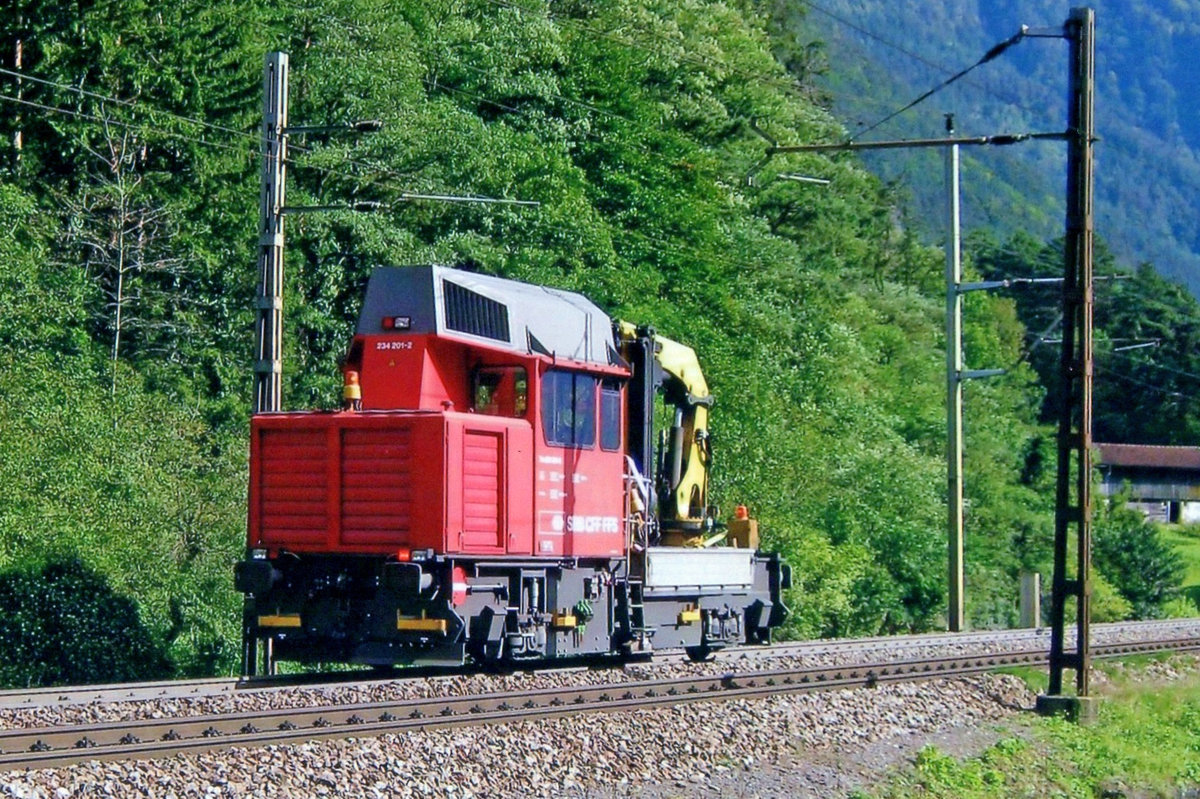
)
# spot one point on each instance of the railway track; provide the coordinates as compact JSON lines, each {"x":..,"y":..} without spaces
{"x":51,"y":747}
{"x":228,"y":686}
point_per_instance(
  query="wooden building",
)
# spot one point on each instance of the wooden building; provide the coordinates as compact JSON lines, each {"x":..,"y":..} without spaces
{"x":1163,"y":481}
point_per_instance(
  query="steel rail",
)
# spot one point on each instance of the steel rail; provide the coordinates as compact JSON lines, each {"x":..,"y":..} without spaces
{"x":1190,"y":626}
{"x":218,"y":686}
{"x":51,"y":747}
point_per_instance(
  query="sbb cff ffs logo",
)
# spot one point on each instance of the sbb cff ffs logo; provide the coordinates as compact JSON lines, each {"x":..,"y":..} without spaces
{"x":561,"y":522}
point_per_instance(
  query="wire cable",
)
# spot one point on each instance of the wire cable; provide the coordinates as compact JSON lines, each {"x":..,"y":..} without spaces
{"x":140,"y":127}
{"x":911,"y":54}
{"x":914,"y":55}
{"x":406,"y":193}
{"x":660,"y":246}
{"x":143,"y":107}
{"x":1151,"y":365}
{"x":991,"y":54}
{"x":1141,"y":383}
{"x":134,"y":104}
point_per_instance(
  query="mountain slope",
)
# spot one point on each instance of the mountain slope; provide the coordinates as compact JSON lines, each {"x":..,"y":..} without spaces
{"x":882,"y":55}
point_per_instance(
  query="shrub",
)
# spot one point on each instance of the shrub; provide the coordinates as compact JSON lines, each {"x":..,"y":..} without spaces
{"x":63,"y":624}
{"x":1132,"y":554}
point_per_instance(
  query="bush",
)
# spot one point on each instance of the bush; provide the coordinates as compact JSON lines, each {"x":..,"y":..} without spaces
{"x":1107,"y":603}
{"x":1179,"y":608}
{"x":62,"y":623}
{"x":1131,"y":553}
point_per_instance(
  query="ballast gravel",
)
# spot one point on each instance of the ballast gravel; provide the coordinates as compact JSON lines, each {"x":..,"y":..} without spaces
{"x":797,"y":745}
{"x":880,"y":651}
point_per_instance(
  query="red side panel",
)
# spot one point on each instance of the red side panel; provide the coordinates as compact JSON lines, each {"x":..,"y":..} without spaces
{"x":519,"y":474}
{"x":578,"y":495}
{"x":579,"y":503}
{"x":414,"y":372}
{"x":345,"y":482}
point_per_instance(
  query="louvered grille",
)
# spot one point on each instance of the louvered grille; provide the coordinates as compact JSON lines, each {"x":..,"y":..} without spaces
{"x":376,"y":486}
{"x":469,"y":312}
{"x":293,"y":486}
{"x":325,"y":486}
{"x":481,"y":483}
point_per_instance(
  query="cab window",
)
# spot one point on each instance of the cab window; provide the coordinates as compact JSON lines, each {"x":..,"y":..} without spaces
{"x":610,"y":415}
{"x":500,"y":391}
{"x":569,"y":408}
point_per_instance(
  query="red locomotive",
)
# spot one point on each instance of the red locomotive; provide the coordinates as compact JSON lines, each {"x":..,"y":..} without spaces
{"x":493,"y":490}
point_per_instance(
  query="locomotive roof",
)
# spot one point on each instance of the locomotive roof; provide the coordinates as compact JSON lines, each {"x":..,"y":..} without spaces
{"x":481,"y":308}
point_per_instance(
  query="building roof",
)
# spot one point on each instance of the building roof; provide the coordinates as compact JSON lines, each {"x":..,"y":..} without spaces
{"x":1149,"y":457}
{"x":483,"y":309}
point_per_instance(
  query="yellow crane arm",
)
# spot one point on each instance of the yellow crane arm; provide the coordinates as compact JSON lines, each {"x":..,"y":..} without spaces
{"x":687,"y":456}
{"x":684,"y":456}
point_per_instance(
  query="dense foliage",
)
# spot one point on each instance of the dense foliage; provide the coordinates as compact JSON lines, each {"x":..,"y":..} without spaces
{"x":63,"y":623}
{"x":127,"y":238}
{"x":1147,"y":340}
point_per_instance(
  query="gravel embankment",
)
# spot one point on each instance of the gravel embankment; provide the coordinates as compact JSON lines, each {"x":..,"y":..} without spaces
{"x":395,"y":690}
{"x":803,"y":745}
{"x":800,"y":745}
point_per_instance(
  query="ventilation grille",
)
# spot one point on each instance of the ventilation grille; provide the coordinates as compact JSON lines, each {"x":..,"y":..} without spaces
{"x":377,"y":486}
{"x":293,"y":481}
{"x":469,"y":312}
{"x":482,"y":486}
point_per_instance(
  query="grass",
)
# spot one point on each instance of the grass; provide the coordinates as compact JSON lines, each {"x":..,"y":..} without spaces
{"x":1146,"y":744}
{"x":1186,"y":541}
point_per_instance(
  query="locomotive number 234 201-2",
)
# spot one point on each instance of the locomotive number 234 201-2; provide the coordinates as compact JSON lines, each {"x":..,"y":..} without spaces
{"x":393,"y":345}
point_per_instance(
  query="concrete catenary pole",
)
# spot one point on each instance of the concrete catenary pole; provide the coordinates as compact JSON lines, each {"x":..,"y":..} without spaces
{"x":268,"y":330}
{"x":954,"y":387}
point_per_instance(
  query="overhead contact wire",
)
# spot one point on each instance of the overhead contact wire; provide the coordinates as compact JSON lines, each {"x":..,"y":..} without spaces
{"x":406,"y":195}
{"x":988,"y":56}
{"x":134,"y":104}
{"x":143,"y":107}
{"x":137,"y":126}
{"x":911,"y":54}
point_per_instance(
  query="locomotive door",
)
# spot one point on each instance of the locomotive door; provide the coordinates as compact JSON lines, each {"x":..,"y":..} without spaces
{"x":483,"y":491}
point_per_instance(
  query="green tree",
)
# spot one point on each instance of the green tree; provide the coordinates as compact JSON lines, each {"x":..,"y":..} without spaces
{"x":1147,"y":341}
{"x":1132,"y":554}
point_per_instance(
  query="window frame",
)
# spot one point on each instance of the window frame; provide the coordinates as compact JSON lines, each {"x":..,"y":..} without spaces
{"x":610,"y":391}
{"x":518,"y":371}
{"x":582,"y":436}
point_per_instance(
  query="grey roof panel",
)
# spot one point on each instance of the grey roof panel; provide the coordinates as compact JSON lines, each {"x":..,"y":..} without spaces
{"x":486,"y":309}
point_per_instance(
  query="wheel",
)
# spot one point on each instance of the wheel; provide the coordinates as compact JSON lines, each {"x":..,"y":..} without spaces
{"x":698,"y":654}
